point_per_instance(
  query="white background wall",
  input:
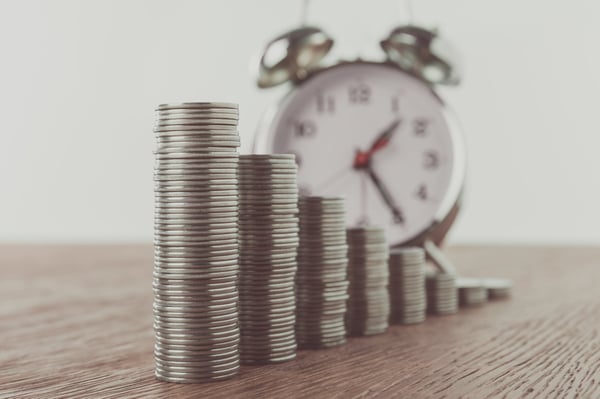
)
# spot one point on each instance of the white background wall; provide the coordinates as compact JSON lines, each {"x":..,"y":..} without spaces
{"x":79,"y":81}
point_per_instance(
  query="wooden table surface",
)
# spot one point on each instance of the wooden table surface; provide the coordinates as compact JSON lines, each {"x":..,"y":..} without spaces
{"x":75,"y":321}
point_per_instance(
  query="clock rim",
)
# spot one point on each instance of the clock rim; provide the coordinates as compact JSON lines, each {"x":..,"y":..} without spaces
{"x":450,"y":206}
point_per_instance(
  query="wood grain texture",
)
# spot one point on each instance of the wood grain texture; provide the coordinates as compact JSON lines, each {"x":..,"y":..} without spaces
{"x":75,"y":321}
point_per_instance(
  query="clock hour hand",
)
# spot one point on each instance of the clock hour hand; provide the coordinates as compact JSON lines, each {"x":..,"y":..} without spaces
{"x":384,"y":137}
{"x":385,"y":195}
{"x":363,"y":158}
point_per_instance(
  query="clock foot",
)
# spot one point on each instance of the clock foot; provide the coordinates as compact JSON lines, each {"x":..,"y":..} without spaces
{"x":439,"y":259}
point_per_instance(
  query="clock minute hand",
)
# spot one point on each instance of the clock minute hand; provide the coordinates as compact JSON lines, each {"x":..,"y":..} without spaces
{"x":363,"y":158}
{"x":385,"y":195}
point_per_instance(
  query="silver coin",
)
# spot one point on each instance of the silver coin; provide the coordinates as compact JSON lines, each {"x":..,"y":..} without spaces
{"x":197,"y":250}
{"x":196,"y":379}
{"x":204,"y":363}
{"x":223,"y":113}
{"x":176,"y":144}
{"x":198,"y":120}
{"x":220,"y":160}
{"x":193,"y":249}
{"x":206,"y":132}
{"x":197,"y":105}
{"x":193,"y":370}
{"x":187,"y":142}
{"x":200,"y":346}
{"x":191,"y":208}
{"x":187,"y":274}
{"x":273,"y":188}
{"x":168,"y":239}
{"x":498,"y":288}
{"x":198,"y":288}
{"x":179,"y":154}
{"x":264,"y":158}
{"x":176,"y":200}
{"x":193,"y":220}
{"x":167,"y":109}
{"x":193,"y":138}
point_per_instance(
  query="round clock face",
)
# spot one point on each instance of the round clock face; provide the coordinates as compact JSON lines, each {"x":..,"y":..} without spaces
{"x":376,"y":136}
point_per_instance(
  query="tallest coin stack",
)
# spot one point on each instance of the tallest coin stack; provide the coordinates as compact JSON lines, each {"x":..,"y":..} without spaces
{"x":196,"y":242}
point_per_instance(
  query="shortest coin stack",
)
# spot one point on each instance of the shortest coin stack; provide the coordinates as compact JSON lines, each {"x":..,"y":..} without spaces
{"x":321,"y":283}
{"x":498,"y":288}
{"x":369,"y":301}
{"x":408,"y":298}
{"x":471,"y":291}
{"x":442,"y":295}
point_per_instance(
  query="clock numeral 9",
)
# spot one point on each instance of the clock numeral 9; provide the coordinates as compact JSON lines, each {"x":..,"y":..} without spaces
{"x":304,"y":128}
{"x":431,"y":160}
{"x":420,"y":127}
{"x":359,"y":94}
{"x":325,"y":104}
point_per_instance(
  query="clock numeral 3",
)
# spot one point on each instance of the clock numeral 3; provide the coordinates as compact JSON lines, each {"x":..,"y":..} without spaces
{"x":420,"y":127}
{"x":359,"y":94}
{"x":325,"y":104}
{"x":304,"y":128}
{"x":431,"y":160}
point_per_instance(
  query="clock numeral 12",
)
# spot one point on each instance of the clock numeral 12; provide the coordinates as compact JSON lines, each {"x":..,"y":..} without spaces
{"x":359,"y":94}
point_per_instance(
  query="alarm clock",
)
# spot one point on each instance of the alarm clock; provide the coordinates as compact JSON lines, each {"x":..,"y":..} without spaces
{"x":374,"y":132}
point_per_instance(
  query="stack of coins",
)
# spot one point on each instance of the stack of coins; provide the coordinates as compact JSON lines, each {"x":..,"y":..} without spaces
{"x":268,"y":244}
{"x":498,"y":288}
{"x":196,"y":242}
{"x":471,"y":291}
{"x":408,"y":299}
{"x":369,"y":302}
{"x":442,"y":295}
{"x":321,"y":283}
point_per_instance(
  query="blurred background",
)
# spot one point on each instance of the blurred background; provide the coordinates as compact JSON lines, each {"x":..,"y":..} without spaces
{"x":79,"y":81}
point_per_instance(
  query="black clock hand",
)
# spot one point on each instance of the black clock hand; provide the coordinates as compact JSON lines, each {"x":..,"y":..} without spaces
{"x":362,"y":159}
{"x":384,"y":137}
{"x":385,"y":195}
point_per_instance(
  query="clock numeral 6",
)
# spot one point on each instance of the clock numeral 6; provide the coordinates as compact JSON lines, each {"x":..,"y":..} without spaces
{"x":359,"y":94}
{"x":304,"y":128}
{"x":431,"y":160}
{"x":420,"y":127}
